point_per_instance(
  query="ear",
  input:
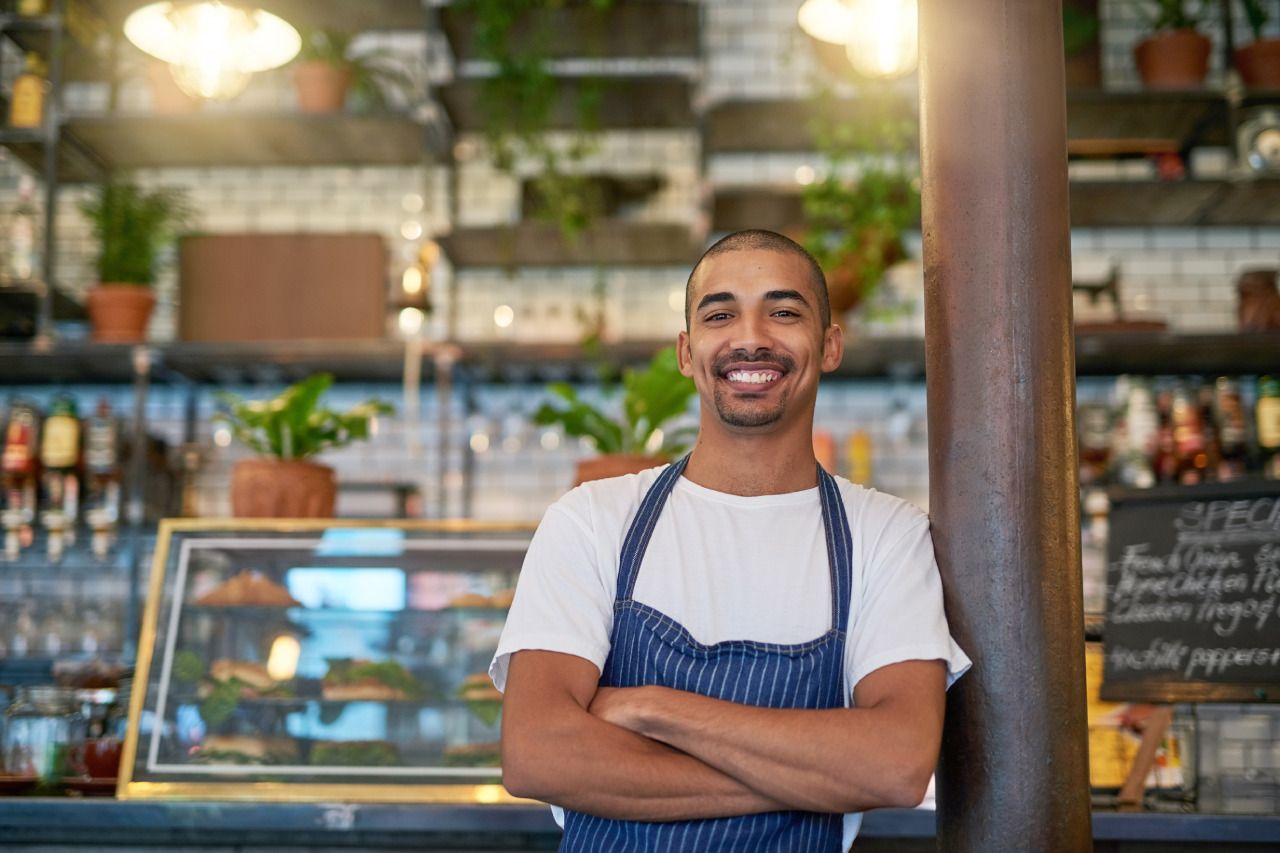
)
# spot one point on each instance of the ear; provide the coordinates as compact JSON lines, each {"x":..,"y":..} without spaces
{"x":832,"y":348}
{"x":683,"y":355}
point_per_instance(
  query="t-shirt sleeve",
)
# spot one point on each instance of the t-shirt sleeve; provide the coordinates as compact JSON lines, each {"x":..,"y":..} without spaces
{"x":561,"y":603}
{"x":898,"y":613}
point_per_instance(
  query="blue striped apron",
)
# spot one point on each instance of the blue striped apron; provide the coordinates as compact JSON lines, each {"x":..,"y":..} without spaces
{"x":649,"y":647}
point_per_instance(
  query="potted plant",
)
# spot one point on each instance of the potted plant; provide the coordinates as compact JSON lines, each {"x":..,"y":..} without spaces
{"x":1176,"y":54}
{"x":855,"y":215}
{"x":326,"y":72}
{"x":131,"y":224}
{"x":632,"y":442}
{"x":1259,"y":61}
{"x":286,"y":432}
{"x":1081,"y":45}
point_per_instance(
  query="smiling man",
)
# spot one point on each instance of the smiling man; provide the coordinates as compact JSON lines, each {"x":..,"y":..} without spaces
{"x":737,"y":651}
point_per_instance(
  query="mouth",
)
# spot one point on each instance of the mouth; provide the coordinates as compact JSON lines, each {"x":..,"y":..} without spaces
{"x":752,"y":378}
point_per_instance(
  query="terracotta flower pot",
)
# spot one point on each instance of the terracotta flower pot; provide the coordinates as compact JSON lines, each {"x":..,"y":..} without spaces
{"x":613,"y":465}
{"x":118,"y":313}
{"x":1173,"y":59}
{"x":282,"y":488}
{"x":321,"y":87}
{"x":1259,"y":64}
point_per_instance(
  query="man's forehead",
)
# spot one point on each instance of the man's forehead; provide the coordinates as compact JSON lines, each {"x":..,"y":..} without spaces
{"x":729,"y":271}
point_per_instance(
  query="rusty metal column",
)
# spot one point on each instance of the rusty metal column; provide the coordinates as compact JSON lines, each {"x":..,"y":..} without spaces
{"x":1001,"y":388}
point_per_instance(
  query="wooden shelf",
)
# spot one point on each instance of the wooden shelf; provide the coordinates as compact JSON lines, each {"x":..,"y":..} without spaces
{"x":657,"y":29}
{"x":1097,"y":354}
{"x":1094,"y":204}
{"x":627,"y":103}
{"x":90,"y":144}
{"x":540,"y":244}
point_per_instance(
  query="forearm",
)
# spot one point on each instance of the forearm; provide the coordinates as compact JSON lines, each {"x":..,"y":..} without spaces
{"x":588,"y":765}
{"x":836,"y":760}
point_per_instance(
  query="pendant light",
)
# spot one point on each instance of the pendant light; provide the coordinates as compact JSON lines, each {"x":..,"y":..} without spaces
{"x":880,"y":36}
{"x":212,"y":46}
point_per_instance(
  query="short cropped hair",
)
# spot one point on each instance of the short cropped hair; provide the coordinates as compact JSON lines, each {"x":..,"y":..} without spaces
{"x":758,"y":238}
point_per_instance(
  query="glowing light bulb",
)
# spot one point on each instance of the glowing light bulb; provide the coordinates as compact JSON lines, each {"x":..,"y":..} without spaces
{"x":883,"y":37}
{"x":282,"y":661}
{"x":825,"y":20}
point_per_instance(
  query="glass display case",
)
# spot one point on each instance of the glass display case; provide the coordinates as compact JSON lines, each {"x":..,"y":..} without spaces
{"x":321,"y":660}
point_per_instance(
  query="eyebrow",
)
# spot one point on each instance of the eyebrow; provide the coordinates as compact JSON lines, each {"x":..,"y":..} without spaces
{"x":771,"y":296}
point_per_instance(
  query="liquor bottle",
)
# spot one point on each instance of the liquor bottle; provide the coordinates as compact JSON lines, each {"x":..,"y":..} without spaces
{"x":26,"y":107}
{"x":1209,"y":428}
{"x":1190,"y":456}
{"x":1233,"y":443}
{"x":1142,"y":424}
{"x":1095,"y":443}
{"x":102,"y":462}
{"x":19,"y":465}
{"x":23,"y":229}
{"x":60,"y":457}
{"x":1268,"y":414}
{"x":859,"y":452}
{"x":1165,"y":459}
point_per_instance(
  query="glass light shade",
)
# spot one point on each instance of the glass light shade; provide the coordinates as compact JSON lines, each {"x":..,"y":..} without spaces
{"x":212,"y":47}
{"x":826,"y":20}
{"x":883,"y":37}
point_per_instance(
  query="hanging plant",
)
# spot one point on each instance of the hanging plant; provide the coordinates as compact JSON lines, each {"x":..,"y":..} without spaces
{"x":855,"y":215}
{"x":518,"y":102}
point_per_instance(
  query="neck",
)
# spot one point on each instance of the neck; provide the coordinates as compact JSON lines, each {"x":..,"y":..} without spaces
{"x":750,"y":465}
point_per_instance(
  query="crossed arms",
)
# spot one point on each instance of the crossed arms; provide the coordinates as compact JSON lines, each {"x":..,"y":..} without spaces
{"x":657,"y":754}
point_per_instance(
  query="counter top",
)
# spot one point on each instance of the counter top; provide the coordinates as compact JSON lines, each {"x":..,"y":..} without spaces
{"x":386,"y":826}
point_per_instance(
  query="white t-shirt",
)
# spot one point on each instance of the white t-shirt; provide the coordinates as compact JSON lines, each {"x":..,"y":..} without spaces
{"x":729,"y":567}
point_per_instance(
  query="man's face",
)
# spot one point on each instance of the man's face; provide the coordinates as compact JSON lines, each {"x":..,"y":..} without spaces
{"x":756,"y":346}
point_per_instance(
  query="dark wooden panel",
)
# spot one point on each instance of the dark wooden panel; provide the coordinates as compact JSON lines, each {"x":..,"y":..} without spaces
{"x":627,"y":30}
{"x":538,"y":244}
{"x":660,"y":101}
{"x":228,"y":139}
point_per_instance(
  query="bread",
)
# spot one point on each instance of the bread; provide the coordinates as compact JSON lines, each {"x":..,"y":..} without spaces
{"x":253,"y":675}
{"x":247,"y":749}
{"x":503,"y":597}
{"x":366,"y":689}
{"x":248,"y":589}
{"x":477,"y":687}
{"x":471,"y":599}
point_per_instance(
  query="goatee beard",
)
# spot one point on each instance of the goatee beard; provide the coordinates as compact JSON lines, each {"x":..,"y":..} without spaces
{"x":752,"y":417}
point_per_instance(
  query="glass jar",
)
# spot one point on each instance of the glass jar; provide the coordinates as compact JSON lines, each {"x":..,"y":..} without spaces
{"x":41,"y":725}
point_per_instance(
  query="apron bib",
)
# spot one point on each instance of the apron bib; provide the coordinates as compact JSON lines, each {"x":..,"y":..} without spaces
{"x":649,"y":647}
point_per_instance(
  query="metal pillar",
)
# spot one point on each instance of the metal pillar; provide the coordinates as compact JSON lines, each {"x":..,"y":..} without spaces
{"x":1002,"y":460}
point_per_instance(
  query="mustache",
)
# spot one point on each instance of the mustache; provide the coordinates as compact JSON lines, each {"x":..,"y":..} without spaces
{"x":741,"y":356}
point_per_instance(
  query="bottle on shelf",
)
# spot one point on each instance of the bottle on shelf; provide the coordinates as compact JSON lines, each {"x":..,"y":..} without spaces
{"x":22,"y":231}
{"x":1190,"y":455}
{"x":59,"y":459}
{"x":1142,"y":423}
{"x":27,"y":102}
{"x":1268,"y":415}
{"x":860,"y":458}
{"x":102,"y":476}
{"x":1233,"y":440}
{"x":19,"y":464}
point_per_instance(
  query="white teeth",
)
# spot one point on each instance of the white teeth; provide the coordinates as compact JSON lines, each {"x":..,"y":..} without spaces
{"x":748,"y":376}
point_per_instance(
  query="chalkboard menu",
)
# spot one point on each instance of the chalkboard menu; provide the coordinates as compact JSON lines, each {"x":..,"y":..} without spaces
{"x":1193,"y":594}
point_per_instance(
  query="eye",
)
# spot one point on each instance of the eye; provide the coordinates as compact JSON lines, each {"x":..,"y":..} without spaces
{"x":717,"y":315}
{"x":786,"y":312}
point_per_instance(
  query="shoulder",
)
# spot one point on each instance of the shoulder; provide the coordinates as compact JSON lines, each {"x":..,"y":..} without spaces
{"x":602,"y":504}
{"x":880,"y":518}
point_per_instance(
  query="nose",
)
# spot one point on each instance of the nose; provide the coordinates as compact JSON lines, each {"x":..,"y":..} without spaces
{"x":751,"y":333}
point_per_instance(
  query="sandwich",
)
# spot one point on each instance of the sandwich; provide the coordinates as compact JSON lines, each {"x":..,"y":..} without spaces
{"x":246,"y":749}
{"x":482,"y":698}
{"x":473,"y":755}
{"x":251,"y":680}
{"x":354,"y":753}
{"x":471,"y":599}
{"x":248,"y":589}
{"x":375,"y":681}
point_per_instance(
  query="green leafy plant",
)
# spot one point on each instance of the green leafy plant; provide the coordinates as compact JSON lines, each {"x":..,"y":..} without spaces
{"x":857,"y":213}
{"x":132,"y":225}
{"x":1174,"y":14}
{"x":650,"y":398}
{"x":377,"y":76}
{"x":1079,"y":29}
{"x":293,"y":425}
{"x":1255,"y":12}
{"x":518,"y":101}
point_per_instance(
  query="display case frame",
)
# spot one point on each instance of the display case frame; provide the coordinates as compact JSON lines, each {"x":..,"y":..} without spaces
{"x":169,"y":599}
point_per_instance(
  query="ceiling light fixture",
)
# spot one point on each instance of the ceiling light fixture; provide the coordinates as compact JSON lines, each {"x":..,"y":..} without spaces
{"x":212,"y":47}
{"x":880,"y":37}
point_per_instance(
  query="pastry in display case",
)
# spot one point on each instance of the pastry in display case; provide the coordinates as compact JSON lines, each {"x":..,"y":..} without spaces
{"x":322,"y":660}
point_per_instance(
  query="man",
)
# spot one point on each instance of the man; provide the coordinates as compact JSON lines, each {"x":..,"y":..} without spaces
{"x":737,"y":651}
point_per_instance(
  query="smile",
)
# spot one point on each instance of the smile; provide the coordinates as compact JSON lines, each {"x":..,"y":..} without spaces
{"x":753,"y":377}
